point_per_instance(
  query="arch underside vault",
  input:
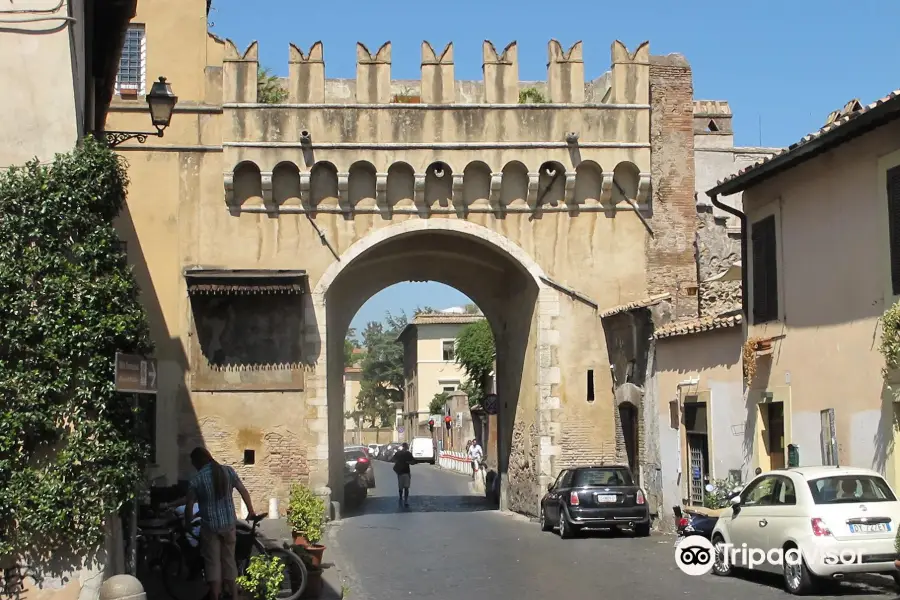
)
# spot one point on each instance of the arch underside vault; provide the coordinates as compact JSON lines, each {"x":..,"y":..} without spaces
{"x":504,"y":283}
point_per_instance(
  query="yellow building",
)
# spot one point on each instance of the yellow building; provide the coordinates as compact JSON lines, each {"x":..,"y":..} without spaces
{"x":429,"y":364}
{"x":821,"y":255}
{"x":258,"y":230}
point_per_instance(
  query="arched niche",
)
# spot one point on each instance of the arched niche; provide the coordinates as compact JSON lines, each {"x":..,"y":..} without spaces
{"x":588,"y":183}
{"x":626,"y":178}
{"x":514,"y":185}
{"x":323,"y":185}
{"x":361,"y":184}
{"x":286,"y":184}
{"x":247,"y":184}
{"x":438,"y":185}
{"x":401,"y":186}
{"x":551,"y":184}
{"x":477,"y":184}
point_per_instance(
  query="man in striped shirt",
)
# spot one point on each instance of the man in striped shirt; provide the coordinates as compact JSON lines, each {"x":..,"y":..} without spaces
{"x":212,"y":489}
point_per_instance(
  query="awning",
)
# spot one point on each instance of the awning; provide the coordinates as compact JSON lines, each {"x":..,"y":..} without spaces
{"x":733,"y":273}
{"x":222,"y":282}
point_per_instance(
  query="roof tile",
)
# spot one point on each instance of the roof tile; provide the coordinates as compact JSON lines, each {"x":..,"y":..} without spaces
{"x":645,"y":303}
{"x":700,"y":325}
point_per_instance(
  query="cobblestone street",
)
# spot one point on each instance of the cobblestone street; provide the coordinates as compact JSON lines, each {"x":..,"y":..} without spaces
{"x":447,"y":545}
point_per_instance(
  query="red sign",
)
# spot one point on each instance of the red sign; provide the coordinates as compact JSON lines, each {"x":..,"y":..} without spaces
{"x":447,"y":419}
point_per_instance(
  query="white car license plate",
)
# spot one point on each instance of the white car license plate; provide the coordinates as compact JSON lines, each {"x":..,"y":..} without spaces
{"x":870,"y":528}
{"x":606,"y":498}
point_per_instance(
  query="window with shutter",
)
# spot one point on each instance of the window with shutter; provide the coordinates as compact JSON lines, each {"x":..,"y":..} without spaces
{"x":893,"y":196}
{"x":765,"y":271}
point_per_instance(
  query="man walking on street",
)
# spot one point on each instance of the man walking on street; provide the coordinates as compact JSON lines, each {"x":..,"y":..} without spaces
{"x":211,"y":488}
{"x":402,"y":460}
{"x":476,"y":454}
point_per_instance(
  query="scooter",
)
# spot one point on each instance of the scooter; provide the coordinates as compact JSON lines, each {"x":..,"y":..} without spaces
{"x":688,"y":522}
{"x":356,"y":486}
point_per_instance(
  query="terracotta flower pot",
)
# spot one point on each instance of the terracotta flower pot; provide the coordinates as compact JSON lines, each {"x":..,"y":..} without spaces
{"x":314,"y":584}
{"x":316,"y":551}
{"x":300,"y":539}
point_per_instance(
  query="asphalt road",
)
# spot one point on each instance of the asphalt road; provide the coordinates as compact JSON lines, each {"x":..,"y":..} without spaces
{"x":447,"y":545}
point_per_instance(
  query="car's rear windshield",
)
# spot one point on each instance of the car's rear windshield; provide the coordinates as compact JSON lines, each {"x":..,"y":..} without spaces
{"x":840,"y":489}
{"x":354,"y":455}
{"x":611,"y":477}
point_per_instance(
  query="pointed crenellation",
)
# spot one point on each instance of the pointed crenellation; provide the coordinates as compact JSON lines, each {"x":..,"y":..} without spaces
{"x":373,"y":74}
{"x":565,"y":73}
{"x":438,"y":82}
{"x":306,"y":75}
{"x":501,"y":74}
{"x":239,"y":73}
{"x":630,"y":74}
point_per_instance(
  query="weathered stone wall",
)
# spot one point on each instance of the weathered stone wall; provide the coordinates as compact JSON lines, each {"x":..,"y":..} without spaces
{"x":717,"y":250}
{"x":670,"y":251}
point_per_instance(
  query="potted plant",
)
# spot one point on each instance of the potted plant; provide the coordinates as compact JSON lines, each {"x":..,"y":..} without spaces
{"x":314,"y":580}
{"x":306,"y":516}
{"x":263,"y":577}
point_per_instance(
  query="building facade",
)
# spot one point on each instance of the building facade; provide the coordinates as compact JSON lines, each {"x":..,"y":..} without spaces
{"x":258,"y":230}
{"x":429,"y":365}
{"x":59,"y":70}
{"x":820,"y":250}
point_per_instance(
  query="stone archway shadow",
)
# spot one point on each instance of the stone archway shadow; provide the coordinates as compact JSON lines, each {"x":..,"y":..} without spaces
{"x":506,"y":283}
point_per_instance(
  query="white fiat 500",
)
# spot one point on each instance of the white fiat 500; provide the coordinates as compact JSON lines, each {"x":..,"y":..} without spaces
{"x":811,"y":524}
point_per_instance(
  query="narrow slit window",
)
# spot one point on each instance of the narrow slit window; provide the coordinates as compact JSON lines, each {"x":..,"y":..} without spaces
{"x":590,"y":385}
{"x":249,"y":457}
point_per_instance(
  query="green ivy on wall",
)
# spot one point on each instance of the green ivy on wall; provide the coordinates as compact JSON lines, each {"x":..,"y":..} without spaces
{"x":68,"y":453}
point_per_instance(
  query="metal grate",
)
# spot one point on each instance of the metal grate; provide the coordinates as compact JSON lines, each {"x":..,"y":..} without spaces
{"x":132,"y":64}
{"x":697,"y":476}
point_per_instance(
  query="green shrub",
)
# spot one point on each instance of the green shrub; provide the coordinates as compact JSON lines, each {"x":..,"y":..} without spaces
{"x":306,"y":513}
{"x":68,"y":453}
{"x":263,"y":578}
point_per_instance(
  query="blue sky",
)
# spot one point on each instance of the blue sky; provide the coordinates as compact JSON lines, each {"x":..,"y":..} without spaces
{"x":783,"y":64}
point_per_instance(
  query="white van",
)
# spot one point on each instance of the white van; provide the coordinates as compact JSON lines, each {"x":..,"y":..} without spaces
{"x":422,"y":449}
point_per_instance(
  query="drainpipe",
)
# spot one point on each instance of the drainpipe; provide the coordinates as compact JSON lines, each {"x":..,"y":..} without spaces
{"x":744,"y":256}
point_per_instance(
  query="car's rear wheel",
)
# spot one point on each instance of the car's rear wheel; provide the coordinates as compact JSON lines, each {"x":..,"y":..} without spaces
{"x":545,"y":522}
{"x":797,"y":578}
{"x":566,"y":529}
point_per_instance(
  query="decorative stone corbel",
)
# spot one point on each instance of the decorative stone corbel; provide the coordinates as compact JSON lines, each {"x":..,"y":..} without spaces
{"x":305,"y":197}
{"x":419,"y":191}
{"x":570,"y":187}
{"x":381,"y":190}
{"x":534,"y":181}
{"x":343,"y":185}
{"x":606,"y":186}
{"x":229,"y":188}
{"x":459,"y":198}
{"x":643,"y":193}
{"x":265,"y":179}
{"x":496,"y":187}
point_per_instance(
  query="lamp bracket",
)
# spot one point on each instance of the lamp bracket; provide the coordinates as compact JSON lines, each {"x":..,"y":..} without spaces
{"x":114,"y":138}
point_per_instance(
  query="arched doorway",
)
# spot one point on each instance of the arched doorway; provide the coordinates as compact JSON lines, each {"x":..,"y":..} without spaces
{"x":504,"y":282}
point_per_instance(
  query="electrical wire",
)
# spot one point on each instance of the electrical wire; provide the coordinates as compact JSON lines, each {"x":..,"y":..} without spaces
{"x":33,"y":11}
{"x":39,"y":20}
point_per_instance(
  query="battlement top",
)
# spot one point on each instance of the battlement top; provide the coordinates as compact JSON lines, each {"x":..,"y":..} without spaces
{"x":626,"y":81}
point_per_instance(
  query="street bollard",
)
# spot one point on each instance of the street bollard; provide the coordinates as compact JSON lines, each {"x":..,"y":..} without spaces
{"x":273,"y":508}
{"x":244,"y":512}
{"x":122,"y":587}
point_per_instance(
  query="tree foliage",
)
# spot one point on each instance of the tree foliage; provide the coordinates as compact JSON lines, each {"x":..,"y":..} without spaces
{"x":69,"y":455}
{"x":437,"y":404}
{"x":532,"y":95}
{"x":268,"y":88}
{"x":382,"y":370}
{"x":350,"y":348}
{"x":475,"y":352}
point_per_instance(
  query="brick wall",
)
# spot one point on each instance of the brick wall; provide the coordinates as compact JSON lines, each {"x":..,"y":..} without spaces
{"x":671,"y":265}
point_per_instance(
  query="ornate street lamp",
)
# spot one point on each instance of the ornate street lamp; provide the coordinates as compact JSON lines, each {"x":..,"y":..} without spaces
{"x":162,"y":104}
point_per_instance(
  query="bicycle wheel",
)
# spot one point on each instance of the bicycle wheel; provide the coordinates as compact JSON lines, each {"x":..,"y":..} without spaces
{"x":178,"y":580}
{"x":296,"y":576}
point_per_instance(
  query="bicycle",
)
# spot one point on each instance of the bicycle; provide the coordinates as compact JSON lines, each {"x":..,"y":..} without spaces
{"x":180,"y":565}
